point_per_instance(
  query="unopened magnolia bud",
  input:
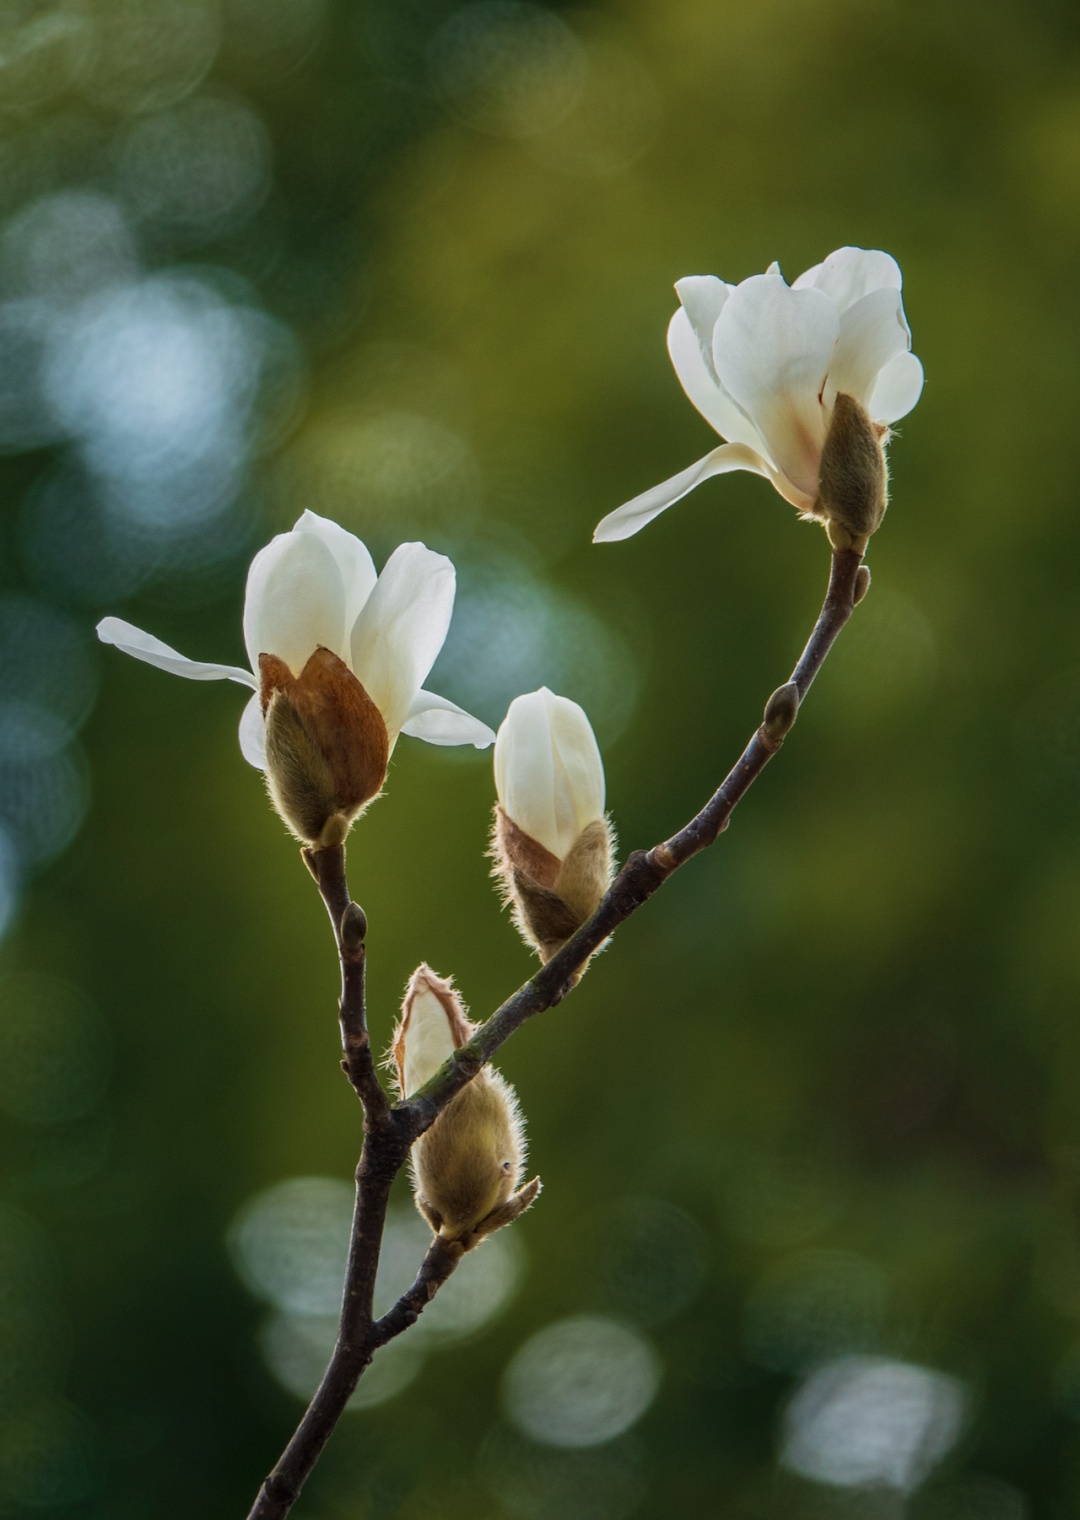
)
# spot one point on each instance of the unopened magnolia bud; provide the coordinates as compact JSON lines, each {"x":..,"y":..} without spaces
{"x":549,"y":898}
{"x":781,"y":710}
{"x":327,"y":746}
{"x":353,"y":927}
{"x":467,"y":1167}
{"x":862,"y":584}
{"x":852,"y":479}
{"x":552,"y":843}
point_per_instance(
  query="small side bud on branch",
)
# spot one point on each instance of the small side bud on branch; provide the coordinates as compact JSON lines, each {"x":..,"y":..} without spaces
{"x":781,"y":710}
{"x":327,"y":746}
{"x":862,"y":584}
{"x":353,"y":928}
{"x":467,"y":1167}
{"x":852,"y":477}
{"x":552,"y":843}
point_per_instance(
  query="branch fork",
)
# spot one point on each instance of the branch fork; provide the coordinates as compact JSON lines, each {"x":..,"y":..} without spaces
{"x":390,"y":1130}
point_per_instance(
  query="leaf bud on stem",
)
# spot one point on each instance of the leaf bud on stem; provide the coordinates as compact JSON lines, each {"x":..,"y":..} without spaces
{"x":781,"y":710}
{"x":353,"y":928}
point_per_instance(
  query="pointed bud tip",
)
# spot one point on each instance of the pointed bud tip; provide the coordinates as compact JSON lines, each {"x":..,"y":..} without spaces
{"x":781,"y":710}
{"x":353,"y":927}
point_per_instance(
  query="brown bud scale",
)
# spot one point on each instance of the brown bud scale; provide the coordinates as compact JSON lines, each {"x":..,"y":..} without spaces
{"x":852,"y":477}
{"x":327,"y":747}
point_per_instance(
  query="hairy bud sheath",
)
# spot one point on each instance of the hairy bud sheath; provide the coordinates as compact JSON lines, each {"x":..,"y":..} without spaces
{"x":552,"y":843}
{"x":852,"y":478}
{"x":467,"y":1167}
{"x":327,"y":746}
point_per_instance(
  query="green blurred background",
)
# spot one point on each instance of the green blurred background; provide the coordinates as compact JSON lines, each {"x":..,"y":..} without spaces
{"x":809,"y":1133}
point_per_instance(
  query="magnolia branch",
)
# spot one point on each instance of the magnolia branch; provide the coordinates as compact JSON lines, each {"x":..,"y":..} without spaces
{"x":390,"y":1131}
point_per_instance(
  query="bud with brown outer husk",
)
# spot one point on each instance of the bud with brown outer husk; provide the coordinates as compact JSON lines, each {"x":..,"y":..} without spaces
{"x":467,"y":1167}
{"x":552,"y":843}
{"x":853,"y":477}
{"x":327,"y":746}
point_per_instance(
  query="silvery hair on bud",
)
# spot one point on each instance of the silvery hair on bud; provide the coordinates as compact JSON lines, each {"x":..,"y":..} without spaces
{"x":853,"y":476}
{"x":467,"y":1167}
{"x":549,"y":899}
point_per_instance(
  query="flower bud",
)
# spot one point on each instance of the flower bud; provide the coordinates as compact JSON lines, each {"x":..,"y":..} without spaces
{"x":852,"y":478}
{"x":467,"y":1167}
{"x":552,"y":843}
{"x":326,"y":745}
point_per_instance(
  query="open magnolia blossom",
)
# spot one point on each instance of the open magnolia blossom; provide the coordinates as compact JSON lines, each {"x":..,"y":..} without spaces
{"x":769,"y":366}
{"x":552,"y":843}
{"x":467,"y":1167}
{"x":338,"y":660}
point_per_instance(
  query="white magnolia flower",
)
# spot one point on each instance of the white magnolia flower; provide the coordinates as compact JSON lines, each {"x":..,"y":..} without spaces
{"x":316,"y":587}
{"x":548,"y":772}
{"x":552,"y":843}
{"x":764,"y":362}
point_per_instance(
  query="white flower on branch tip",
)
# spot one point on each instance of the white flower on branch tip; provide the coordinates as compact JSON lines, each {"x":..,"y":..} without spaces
{"x":552,"y":843}
{"x":344,"y":646}
{"x":765,"y":364}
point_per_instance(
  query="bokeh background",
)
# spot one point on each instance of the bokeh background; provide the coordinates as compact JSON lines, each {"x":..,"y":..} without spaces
{"x":810,"y":1133}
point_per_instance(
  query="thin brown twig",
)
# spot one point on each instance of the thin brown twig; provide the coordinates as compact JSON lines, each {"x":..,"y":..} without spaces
{"x":391,"y":1131}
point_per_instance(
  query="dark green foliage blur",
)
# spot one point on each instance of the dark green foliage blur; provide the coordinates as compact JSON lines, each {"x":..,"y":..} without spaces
{"x":842,"y":1048}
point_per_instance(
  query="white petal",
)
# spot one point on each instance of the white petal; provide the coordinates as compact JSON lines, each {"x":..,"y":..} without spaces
{"x":428,"y":1038}
{"x":627,"y":520}
{"x":898,"y":388}
{"x":353,"y":560}
{"x":397,"y":637}
{"x":295,"y":601}
{"x":772,"y":348}
{"x":702,"y":297}
{"x":872,"y":332}
{"x":548,"y":772}
{"x":441,"y":722}
{"x":851,"y":273}
{"x":144,"y":646}
{"x":698,"y":379}
{"x":253,"y":734}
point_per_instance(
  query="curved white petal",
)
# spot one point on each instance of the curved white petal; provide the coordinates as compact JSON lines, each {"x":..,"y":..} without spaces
{"x":253,"y":734}
{"x":549,"y":775}
{"x":898,"y":387}
{"x":441,"y":722}
{"x":698,"y":379}
{"x":872,"y":332}
{"x":772,"y":349}
{"x":353,"y":560}
{"x":627,"y":520}
{"x":144,"y":646}
{"x":702,"y":297}
{"x":295,"y":601}
{"x":397,"y":637}
{"x":851,"y":273}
